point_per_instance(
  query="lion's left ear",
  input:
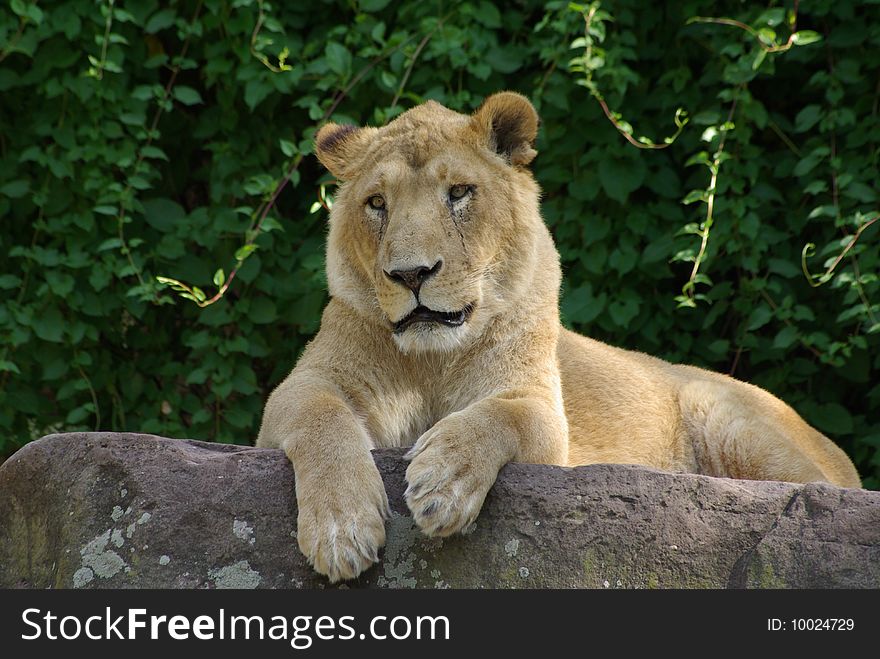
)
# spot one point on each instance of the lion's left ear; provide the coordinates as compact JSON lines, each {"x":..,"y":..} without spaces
{"x":339,"y":147}
{"x":510,"y":123}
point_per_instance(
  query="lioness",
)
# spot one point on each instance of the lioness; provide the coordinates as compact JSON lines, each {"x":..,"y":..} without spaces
{"x":443,"y":333}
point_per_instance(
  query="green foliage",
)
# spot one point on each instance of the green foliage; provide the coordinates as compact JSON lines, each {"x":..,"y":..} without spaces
{"x":142,"y":140}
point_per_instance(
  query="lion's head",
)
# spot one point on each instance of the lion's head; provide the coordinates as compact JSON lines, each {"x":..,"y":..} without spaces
{"x":435,"y":224}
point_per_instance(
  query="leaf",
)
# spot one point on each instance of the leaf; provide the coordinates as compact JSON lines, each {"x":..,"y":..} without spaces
{"x":581,"y":306}
{"x":49,"y":325}
{"x":60,"y":283}
{"x":110,"y":243}
{"x":139,"y":182}
{"x":19,"y":7}
{"x":695,"y":195}
{"x":786,"y":337}
{"x":372,"y":6}
{"x":487,"y":14}
{"x":759,"y":317}
{"x":759,"y":59}
{"x":783,"y":268}
{"x":623,"y":259}
{"x":159,"y":21}
{"x":15,"y":189}
{"x":219,"y":278}
{"x":505,"y":59}
{"x":244,"y":251}
{"x":163,"y":214}
{"x":719,"y":347}
{"x":255,"y":91}
{"x":154,"y":152}
{"x":807,"y":118}
{"x":619,"y":178}
{"x":833,"y":418}
{"x":262,"y":311}
{"x":6,"y":365}
{"x":271,"y":224}
{"x":622,"y":311}
{"x":288,"y":148}
{"x":9,"y":281}
{"x":860,"y":192}
{"x":701,"y":158}
{"x":772,"y":17}
{"x":804,"y":37}
{"x":186,"y":95}
{"x":338,"y":58}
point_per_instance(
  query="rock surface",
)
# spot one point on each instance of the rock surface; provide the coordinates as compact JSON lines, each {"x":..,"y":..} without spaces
{"x":106,"y":510}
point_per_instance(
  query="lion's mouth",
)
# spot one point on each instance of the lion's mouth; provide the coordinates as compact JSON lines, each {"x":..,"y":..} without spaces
{"x":422,"y":314}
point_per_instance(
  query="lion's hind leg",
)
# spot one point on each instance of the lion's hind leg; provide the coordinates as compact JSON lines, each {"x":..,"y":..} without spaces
{"x":737,"y":434}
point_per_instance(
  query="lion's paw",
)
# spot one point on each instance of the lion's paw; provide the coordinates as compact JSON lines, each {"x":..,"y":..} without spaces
{"x":342,"y":527}
{"x":446,"y":488}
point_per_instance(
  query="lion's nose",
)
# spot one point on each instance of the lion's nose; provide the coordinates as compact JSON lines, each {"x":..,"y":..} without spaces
{"x":415,"y":277}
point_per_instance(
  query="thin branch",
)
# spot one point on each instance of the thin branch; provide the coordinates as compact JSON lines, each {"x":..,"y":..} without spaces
{"x":690,"y":286}
{"x":809,"y":249}
{"x":409,"y":68}
{"x":282,"y":57}
{"x":767,"y":48}
{"x":99,"y":74}
{"x":10,"y":45}
{"x":785,"y":138}
{"x":775,"y":308}
{"x":643,"y":143}
{"x":860,"y":289}
{"x":93,"y":394}
{"x":120,"y":217}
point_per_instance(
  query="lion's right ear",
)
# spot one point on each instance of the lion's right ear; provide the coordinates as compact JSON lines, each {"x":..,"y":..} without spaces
{"x":337,"y":147}
{"x":510,"y":123}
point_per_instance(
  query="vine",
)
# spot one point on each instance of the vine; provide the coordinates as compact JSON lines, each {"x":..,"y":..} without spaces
{"x":593,"y":59}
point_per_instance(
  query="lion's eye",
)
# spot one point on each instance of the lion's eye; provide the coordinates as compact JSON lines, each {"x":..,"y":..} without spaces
{"x":376,"y":202}
{"x":456,"y":192}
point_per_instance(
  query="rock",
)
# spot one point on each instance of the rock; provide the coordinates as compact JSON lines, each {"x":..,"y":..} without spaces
{"x":107,"y":510}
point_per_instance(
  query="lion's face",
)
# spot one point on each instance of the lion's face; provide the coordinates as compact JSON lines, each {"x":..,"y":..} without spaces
{"x":424,"y":225}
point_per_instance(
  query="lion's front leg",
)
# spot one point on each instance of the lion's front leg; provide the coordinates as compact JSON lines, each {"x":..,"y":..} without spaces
{"x":341,"y":500}
{"x":455,"y":463}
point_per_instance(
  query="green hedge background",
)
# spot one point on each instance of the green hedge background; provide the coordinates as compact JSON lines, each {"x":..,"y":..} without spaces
{"x":144,"y":139}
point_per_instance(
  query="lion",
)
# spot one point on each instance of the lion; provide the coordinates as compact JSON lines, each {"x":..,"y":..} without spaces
{"x":443,"y":334}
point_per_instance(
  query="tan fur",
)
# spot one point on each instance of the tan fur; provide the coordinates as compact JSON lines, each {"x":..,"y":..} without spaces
{"x":471,"y":398}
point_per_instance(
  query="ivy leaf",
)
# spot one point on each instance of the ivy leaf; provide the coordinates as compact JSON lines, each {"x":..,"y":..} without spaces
{"x":186,"y":95}
{"x":9,"y":281}
{"x":786,"y":337}
{"x":620,"y":177}
{"x":49,"y":325}
{"x":262,"y":311}
{"x":833,"y":418}
{"x":804,"y":37}
{"x":338,"y":58}
{"x":695,"y":195}
{"x":622,"y":311}
{"x":373,"y":6}
{"x":159,"y":21}
{"x":807,"y":118}
{"x":580,"y":305}
{"x":244,"y":251}
{"x":15,"y":189}
{"x":163,"y":214}
{"x":759,"y":317}
{"x":288,"y":148}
